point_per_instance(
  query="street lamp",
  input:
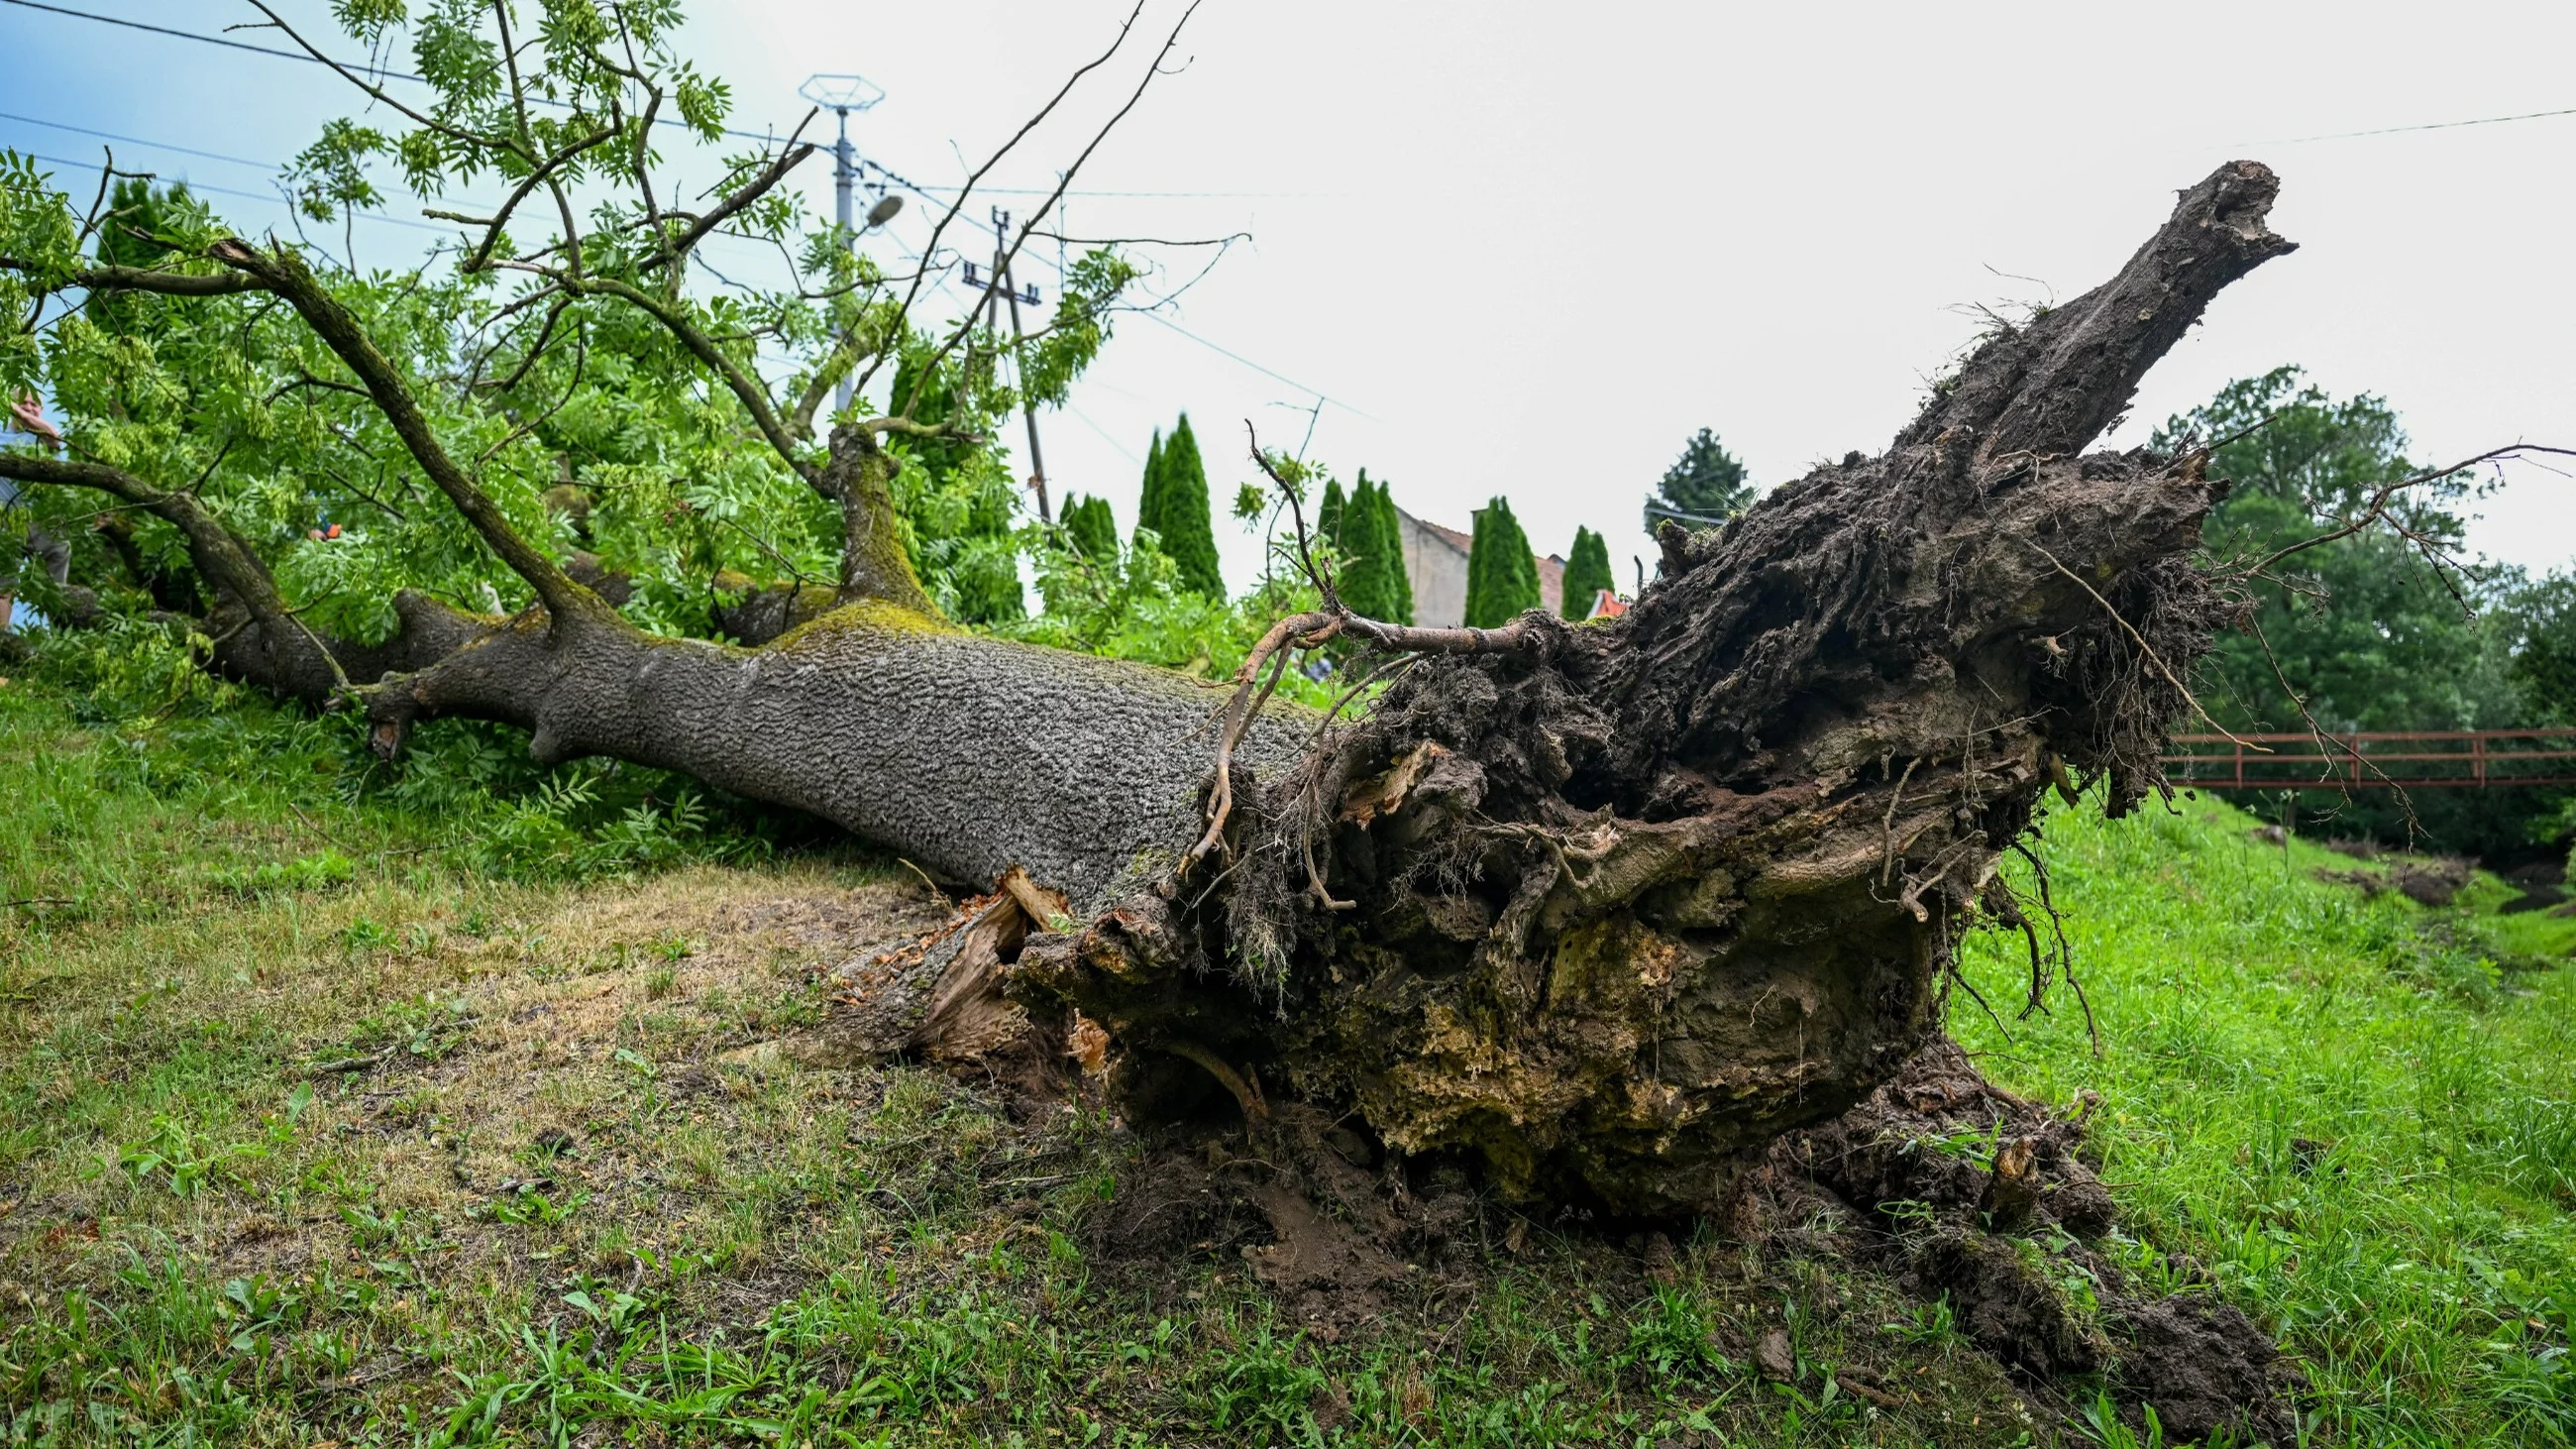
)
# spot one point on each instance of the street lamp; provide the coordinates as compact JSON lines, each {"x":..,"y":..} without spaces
{"x":842,"y":94}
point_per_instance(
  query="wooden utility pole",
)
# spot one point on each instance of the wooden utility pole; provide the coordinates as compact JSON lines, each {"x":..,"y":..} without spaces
{"x":1002,"y":289}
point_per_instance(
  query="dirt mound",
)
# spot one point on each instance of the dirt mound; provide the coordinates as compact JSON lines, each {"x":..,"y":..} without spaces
{"x":2203,"y":1366}
{"x":1974,"y":1194}
{"x":2431,"y":881}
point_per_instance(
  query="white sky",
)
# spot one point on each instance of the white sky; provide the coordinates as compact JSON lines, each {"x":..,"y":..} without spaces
{"x":1529,"y":249}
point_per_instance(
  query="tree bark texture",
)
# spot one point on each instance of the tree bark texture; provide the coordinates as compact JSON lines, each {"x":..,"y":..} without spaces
{"x":1606,"y":914}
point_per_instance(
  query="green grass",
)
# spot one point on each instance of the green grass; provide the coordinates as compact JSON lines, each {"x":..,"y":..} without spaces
{"x":2357,"y":1115}
{"x":318,"y":1124}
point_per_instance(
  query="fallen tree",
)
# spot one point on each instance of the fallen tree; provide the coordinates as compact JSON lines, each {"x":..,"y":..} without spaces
{"x":1607,"y":908}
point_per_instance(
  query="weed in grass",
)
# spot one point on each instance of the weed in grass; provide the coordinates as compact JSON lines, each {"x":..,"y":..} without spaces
{"x":184,"y":1159}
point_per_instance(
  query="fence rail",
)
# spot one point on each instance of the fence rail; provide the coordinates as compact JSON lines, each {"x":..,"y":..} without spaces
{"x":2374,"y":760}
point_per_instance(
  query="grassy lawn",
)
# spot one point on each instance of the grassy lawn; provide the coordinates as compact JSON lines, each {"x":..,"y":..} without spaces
{"x":324,"y":1122}
{"x":2360,"y":1117}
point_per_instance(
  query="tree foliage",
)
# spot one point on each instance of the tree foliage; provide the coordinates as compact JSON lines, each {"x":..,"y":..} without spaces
{"x":1587,"y":574}
{"x":1706,"y":485}
{"x":559,"y":388}
{"x":1371,"y":548}
{"x":1174,"y":507}
{"x":1090,"y":528}
{"x":1502,"y":575}
{"x":2364,"y":631}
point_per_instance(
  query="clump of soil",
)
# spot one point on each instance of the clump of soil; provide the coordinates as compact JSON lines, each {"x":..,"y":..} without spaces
{"x":2543,"y":885}
{"x":1975,"y":1194}
{"x":2431,"y":882}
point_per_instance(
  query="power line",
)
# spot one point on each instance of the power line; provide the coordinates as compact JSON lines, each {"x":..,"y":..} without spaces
{"x":2426,"y":126}
{"x":367,"y":70}
{"x":925,"y":194}
{"x":137,"y":140}
{"x":224,"y":40}
{"x":375,"y":216}
{"x":1314,"y":393}
{"x":373,"y":73}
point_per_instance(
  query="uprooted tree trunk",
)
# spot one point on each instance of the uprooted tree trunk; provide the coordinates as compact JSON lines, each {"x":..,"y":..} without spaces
{"x":1608,"y":907}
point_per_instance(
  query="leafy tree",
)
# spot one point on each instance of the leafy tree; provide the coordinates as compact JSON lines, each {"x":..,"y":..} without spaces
{"x":627,"y":417}
{"x":1091,"y":528}
{"x":1373,"y":582}
{"x":1587,"y":574}
{"x":2363,"y":629}
{"x":135,"y":232}
{"x":1705,"y":486}
{"x":1176,"y":509}
{"x":956,"y":499}
{"x":1502,"y":574}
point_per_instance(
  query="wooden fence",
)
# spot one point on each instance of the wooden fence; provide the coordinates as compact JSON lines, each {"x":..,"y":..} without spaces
{"x":2374,"y":759}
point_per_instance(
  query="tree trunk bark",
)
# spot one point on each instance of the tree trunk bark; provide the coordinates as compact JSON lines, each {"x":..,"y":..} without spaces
{"x":968,"y":755}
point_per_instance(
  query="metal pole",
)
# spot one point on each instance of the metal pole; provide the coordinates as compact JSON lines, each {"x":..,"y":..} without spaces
{"x":842,"y":174}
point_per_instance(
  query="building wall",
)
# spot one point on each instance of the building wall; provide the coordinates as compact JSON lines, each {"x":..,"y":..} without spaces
{"x":1435,"y":561}
{"x":1437,"y":568}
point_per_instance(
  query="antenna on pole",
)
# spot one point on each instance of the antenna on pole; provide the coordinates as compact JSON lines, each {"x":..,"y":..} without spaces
{"x":842,"y":94}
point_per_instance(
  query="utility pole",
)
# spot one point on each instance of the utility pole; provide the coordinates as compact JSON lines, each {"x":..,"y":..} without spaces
{"x":1002,"y":288}
{"x":842,"y":94}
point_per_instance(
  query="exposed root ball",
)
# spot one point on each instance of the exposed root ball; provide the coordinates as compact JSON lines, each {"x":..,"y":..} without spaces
{"x":1614,"y":910}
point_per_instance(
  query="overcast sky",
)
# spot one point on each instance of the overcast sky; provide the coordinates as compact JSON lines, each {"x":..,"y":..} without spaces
{"x":1528,"y":249}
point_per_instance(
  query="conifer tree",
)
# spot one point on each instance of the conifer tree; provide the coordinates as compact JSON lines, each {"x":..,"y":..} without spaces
{"x":1180,"y":501}
{"x":1391,"y":528}
{"x":1705,"y":485}
{"x":1328,"y":514}
{"x":1502,"y":576}
{"x":1587,"y":574}
{"x":1373,"y":581}
{"x":1091,"y":528}
{"x":1149,"y":496}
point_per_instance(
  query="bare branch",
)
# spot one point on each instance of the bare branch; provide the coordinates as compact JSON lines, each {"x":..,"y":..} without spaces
{"x":931,"y":248}
{"x":758,"y":186}
{"x":2377,"y":508}
{"x":1064,"y":179}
